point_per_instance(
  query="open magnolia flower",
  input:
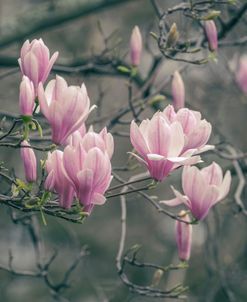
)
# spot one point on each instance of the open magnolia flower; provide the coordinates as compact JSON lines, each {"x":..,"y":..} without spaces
{"x":65,"y":107}
{"x":202,"y":189}
{"x":161,"y":145}
{"x":196,"y":131}
{"x":89,"y":171}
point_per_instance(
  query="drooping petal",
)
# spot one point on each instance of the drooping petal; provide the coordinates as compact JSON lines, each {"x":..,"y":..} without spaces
{"x":172,"y":202}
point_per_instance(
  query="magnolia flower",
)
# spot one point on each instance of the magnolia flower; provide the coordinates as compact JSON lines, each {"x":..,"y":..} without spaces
{"x":57,"y":179}
{"x":202,"y":189}
{"x":196,"y":131}
{"x":160,"y":144}
{"x":183,"y":236}
{"x":65,"y":107}
{"x":103,"y":140}
{"x":26,"y":97}
{"x":29,"y":161}
{"x":89,"y":172}
{"x":135,"y":46}
{"x":35,"y":62}
{"x":178,"y":91}
{"x":212,"y":35}
{"x":241,"y":74}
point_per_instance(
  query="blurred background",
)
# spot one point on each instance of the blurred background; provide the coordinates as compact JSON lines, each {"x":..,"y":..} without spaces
{"x":95,"y":36}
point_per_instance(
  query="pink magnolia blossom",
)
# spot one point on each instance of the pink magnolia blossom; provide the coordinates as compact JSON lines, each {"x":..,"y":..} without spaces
{"x":178,"y":91}
{"x":183,"y":236}
{"x":57,"y":179}
{"x":135,"y":46}
{"x":26,"y":97}
{"x":29,"y":161}
{"x":212,"y":35}
{"x":202,"y":189}
{"x":196,"y":131}
{"x":65,"y":107}
{"x":35,"y":61}
{"x":160,"y":144}
{"x":241,"y":74}
{"x":89,"y":172}
{"x":103,"y":140}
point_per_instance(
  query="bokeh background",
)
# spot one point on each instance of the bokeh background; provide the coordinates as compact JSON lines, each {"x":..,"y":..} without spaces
{"x":218,"y":264}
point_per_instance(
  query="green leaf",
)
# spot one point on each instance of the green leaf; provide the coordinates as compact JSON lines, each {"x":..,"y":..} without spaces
{"x":154,"y":35}
{"x":156,"y":99}
{"x":123,"y":69}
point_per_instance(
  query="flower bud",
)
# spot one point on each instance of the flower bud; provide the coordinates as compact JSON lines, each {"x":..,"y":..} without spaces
{"x":178,"y":91}
{"x":135,"y":46}
{"x":183,"y":236}
{"x":26,"y":97}
{"x":29,"y":161}
{"x":173,"y":36}
{"x":241,"y":74}
{"x":211,"y":33}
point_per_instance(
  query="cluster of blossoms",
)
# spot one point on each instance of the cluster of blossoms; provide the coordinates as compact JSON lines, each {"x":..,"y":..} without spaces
{"x":175,"y":138}
{"x":172,"y":138}
{"x":83,"y":169}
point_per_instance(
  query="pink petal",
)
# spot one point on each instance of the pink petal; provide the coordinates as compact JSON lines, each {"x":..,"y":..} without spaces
{"x":43,"y":102}
{"x":213,"y":174}
{"x":85,"y":181}
{"x":98,"y":199}
{"x":172,"y":202}
{"x":49,"y":67}
{"x":159,"y":135}
{"x":225,"y":186}
{"x":177,"y":140}
{"x":138,"y":140}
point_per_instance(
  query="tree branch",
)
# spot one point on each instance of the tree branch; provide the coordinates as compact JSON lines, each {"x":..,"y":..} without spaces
{"x":47,"y":16}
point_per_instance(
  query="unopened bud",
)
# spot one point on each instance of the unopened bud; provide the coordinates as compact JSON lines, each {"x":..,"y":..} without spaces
{"x":26,"y":97}
{"x":241,"y":74}
{"x":183,"y":236}
{"x":173,"y":36}
{"x":29,"y":161}
{"x":212,"y":35}
{"x":135,"y":46}
{"x":178,"y":91}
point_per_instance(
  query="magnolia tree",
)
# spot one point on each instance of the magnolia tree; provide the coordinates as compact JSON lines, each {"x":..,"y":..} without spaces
{"x":75,"y":174}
